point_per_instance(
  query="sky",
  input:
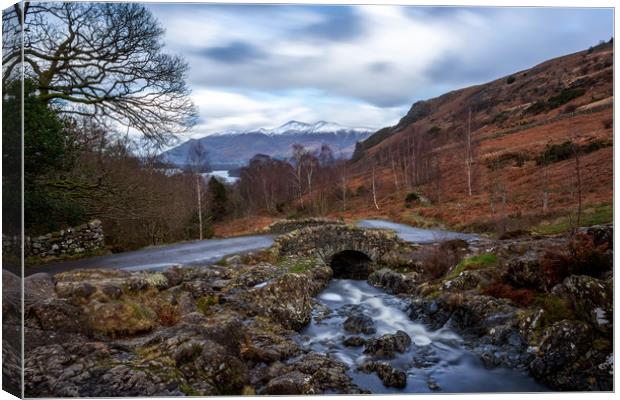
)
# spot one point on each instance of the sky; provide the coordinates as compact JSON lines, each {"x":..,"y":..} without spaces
{"x":255,"y":66}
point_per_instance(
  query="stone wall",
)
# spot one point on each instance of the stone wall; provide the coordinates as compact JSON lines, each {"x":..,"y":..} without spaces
{"x":70,"y":241}
{"x":289,"y":225}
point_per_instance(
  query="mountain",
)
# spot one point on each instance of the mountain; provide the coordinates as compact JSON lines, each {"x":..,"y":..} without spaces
{"x":526,"y":129}
{"x":233,"y":148}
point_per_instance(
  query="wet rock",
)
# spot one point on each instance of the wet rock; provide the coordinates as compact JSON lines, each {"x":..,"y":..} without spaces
{"x":388,"y":345}
{"x":329,"y":375}
{"x":354,"y":341}
{"x":601,"y":234}
{"x":430,"y":312}
{"x":292,"y":383}
{"x":321,"y":312}
{"x":525,"y":272}
{"x":360,"y":323}
{"x":432,"y":385}
{"x":503,"y":346}
{"x":393,"y":282}
{"x":288,"y":299}
{"x":567,"y":360}
{"x":473,"y":315}
{"x":391,"y":377}
{"x":591,"y":297}
{"x":425,"y":357}
{"x":268,"y":342}
{"x":466,"y":280}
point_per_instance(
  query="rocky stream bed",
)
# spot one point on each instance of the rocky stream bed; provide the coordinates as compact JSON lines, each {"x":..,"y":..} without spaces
{"x":268,"y":324}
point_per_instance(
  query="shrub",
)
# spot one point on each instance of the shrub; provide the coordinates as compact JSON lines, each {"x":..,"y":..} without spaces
{"x":607,"y":123}
{"x":437,"y":260}
{"x":552,"y":102}
{"x":167,"y":315}
{"x":412,"y":197}
{"x":557,"y":152}
{"x":510,"y":80}
{"x":581,"y":257}
{"x":360,"y":191}
{"x":434,"y":130}
{"x":521,"y":297}
{"x":569,"y":109}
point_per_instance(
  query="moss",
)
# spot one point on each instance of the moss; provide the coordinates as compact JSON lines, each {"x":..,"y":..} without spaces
{"x":297,"y":265}
{"x":435,"y":294}
{"x":204,"y":303}
{"x":121,"y":317}
{"x":248,"y":391}
{"x":188,"y":390}
{"x":555,"y":309}
{"x":475,"y":262}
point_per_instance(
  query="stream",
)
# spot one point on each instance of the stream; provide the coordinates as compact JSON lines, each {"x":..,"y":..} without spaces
{"x":435,"y":359}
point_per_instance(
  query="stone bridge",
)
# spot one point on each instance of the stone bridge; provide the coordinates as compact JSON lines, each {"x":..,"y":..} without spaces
{"x":351,"y":252}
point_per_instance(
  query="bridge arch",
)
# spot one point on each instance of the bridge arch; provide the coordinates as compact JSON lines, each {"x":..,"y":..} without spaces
{"x":340,"y":245}
{"x":351,"y":264}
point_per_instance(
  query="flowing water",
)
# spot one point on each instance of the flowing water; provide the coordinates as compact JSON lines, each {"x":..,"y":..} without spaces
{"x":438,"y":356}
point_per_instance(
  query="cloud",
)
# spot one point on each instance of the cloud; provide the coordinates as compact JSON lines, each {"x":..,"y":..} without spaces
{"x":357,"y":65}
{"x":235,"y":52}
{"x":337,"y":23}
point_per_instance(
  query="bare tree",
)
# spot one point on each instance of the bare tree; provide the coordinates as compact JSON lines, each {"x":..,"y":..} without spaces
{"x":104,"y":60}
{"x":374,"y":190}
{"x":197,"y":163}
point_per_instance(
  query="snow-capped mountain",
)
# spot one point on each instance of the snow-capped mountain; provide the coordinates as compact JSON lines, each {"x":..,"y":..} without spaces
{"x":295,"y":128}
{"x":234,"y":148}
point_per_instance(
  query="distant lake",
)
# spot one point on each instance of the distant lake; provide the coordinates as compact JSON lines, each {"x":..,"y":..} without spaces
{"x":221,"y":175}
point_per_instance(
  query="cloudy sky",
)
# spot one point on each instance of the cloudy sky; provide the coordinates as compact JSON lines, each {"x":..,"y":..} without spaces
{"x":263,"y":65}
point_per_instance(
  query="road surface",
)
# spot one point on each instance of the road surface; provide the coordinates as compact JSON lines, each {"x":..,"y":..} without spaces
{"x":187,"y":253}
{"x":211,"y":250}
{"x":416,"y":235}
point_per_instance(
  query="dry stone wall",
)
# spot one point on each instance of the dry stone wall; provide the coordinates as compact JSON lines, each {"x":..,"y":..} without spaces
{"x":70,"y":241}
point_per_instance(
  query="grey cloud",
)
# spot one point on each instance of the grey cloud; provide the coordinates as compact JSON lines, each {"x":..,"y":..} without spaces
{"x":234,"y":53}
{"x":340,"y":24}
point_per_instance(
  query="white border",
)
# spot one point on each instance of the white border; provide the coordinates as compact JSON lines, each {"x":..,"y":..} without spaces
{"x":484,"y":3}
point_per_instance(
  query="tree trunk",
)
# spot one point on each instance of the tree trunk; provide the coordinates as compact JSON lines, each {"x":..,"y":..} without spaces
{"x":374,"y":192}
{"x":199,"y":204}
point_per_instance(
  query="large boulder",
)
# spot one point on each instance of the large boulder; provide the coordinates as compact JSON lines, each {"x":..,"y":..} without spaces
{"x":569,"y":359}
{"x":360,"y":323}
{"x":393,"y":282}
{"x":388,"y":345}
{"x":37,"y":287}
{"x":592,"y":299}
{"x":292,"y":383}
{"x":525,"y":272}
{"x":288,"y":299}
{"x":391,"y":377}
{"x":57,"y":315}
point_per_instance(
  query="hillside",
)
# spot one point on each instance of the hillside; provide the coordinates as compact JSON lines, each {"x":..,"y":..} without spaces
{"x":232,"y":149}
{"x":525,"y":130}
